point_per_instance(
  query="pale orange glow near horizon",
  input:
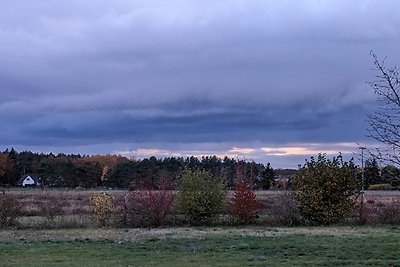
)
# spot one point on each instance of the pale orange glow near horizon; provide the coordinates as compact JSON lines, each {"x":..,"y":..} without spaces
{"x":258,"y":153}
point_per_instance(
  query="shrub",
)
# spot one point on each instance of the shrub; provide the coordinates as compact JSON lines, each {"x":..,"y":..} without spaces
{"x":388,"y":212}
{"x":10,"y":209}
{"x":147,"y":207}
{"x":50,"y":207}
{"x":131,"y":213}
{"x":381,"y":187}
{"x":365,"y":213}
{"x":156,"y":206}
{"x":244,"y":205}
{"x":200,"y":198}
{"x":324,"y":189}
{"x":284,"y":210}
{"x":102,"y":207}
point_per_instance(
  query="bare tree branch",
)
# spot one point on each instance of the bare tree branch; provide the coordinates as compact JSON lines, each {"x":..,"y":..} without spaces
{"x":384,"y":124}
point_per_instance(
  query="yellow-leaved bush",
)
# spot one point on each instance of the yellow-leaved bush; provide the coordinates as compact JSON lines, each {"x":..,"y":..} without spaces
{"x":102,"y":206}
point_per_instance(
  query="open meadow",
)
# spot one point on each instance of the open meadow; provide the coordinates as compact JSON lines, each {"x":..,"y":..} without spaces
{"x":56,"y":228}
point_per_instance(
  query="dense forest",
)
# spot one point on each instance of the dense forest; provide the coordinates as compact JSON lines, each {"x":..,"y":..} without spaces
{"x":120,"y":172}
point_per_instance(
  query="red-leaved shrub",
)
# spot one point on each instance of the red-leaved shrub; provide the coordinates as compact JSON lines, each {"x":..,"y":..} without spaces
{"x":144,"y":208}
{"x":244,"y":205}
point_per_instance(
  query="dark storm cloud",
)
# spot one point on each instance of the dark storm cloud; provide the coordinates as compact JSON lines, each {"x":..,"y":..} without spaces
{"x":184,"y":125}
{"x":94,"y":73}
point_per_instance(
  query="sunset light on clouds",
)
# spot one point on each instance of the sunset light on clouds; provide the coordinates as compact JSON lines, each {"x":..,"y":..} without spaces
{"x":275,"y":155}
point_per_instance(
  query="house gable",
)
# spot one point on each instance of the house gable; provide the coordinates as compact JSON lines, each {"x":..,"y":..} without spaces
{"x":28,"y":180}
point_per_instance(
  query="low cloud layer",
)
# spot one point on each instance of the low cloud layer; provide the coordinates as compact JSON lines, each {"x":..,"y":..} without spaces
{"x":101,"y":77}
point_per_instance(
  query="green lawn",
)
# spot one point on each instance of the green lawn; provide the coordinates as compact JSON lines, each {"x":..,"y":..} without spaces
{"x":211,"y":250}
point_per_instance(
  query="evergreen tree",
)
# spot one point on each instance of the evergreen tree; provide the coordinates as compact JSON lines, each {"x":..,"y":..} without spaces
{"x":265,"y":178}
{"x":372,"y":173}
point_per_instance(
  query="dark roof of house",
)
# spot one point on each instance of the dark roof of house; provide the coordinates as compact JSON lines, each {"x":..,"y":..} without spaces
{"x":35,"y":177}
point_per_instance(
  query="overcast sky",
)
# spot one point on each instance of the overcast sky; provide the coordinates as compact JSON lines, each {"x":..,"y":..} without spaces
{"x":270,"y":81}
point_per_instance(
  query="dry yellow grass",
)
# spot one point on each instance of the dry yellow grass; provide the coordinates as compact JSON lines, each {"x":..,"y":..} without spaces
{"x":71,"y":201}
{"x":74,"y":210}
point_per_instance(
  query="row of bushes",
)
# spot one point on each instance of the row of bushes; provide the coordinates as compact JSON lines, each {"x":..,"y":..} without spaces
{"x":325,"y":193}
{"x":278,"y":210}
{"x":158,"y":208}
{"x":384,"y":186}
{"x":324,"y":189}
{"x":201,"y":200}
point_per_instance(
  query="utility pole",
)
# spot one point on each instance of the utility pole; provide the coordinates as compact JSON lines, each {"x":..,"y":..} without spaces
{"x":362,"y":183}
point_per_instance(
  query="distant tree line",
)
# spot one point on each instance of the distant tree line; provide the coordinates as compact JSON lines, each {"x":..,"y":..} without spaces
{"x":114,"y":171}
{"x":375,"y":175}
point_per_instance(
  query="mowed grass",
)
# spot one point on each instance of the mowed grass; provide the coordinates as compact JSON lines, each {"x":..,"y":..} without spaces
{"x":379,"y":246}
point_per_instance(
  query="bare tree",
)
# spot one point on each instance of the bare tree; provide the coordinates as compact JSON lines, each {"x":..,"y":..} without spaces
{"x":384,"y":124}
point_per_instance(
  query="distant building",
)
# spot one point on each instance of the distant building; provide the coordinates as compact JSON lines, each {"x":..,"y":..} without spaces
{"x":29,"y":180}
{"x":283,"y":179}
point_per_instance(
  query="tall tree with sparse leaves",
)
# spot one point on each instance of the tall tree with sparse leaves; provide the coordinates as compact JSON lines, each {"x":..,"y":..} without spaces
{"x":384,"y":123}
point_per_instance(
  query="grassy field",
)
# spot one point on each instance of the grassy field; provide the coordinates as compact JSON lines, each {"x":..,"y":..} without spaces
{"x":59,"y":241}
{"x":250,"y":246}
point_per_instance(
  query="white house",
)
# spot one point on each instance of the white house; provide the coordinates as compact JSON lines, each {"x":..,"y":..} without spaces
{"x":29,"y":180}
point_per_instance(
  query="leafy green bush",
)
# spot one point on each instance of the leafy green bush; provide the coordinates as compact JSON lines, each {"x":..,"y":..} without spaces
{"x":324,"y":189}
{"x":200,"y":198}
